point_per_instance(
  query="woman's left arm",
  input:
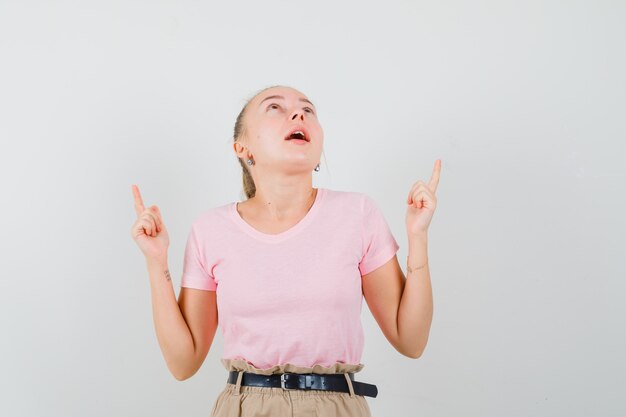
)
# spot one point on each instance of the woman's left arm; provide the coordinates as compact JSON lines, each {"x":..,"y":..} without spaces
{"x":403,"y":306}
{"x":415,"y":311}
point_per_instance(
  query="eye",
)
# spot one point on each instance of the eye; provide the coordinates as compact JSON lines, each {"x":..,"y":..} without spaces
{"x":273,"y":104}
{"x":309,"y":109}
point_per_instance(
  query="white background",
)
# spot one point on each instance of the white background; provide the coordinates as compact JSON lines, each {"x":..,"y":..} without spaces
{"x":524,"y":103}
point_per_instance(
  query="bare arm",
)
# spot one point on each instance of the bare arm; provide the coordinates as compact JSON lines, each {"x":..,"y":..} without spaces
{"x":402,"y":307}
{"x":415,"y":311}
{"x":184,"y":329}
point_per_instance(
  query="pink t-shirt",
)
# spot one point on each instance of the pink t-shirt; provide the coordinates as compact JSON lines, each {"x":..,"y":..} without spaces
{"x":293,"y":297}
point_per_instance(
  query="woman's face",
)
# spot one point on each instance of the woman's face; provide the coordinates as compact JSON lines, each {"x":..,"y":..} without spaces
{"x":269,"y":119}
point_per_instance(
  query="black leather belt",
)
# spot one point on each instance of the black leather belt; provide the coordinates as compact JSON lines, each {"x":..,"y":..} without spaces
{"x":326,"y":382}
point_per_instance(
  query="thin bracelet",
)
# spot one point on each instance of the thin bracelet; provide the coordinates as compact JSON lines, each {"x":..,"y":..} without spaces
{"x":409,"y":269}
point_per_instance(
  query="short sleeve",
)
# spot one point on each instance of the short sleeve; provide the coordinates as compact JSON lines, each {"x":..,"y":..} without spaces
{"x":195,"y":274}
{"x":379,"y":245}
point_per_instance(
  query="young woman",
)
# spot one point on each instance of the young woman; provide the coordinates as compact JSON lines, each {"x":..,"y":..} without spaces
{"x":284,"y":273}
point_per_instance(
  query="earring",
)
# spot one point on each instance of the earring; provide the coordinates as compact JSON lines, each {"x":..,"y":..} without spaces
{"x":317,"y":168}
{"x":250,"y":162}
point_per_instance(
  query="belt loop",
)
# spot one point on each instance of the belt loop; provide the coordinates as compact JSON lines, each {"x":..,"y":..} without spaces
{"x":238,"y":384}
{"x":350,"y":387}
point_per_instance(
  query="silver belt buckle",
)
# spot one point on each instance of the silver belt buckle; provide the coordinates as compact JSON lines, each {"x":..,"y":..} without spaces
{"x":282,"y":382}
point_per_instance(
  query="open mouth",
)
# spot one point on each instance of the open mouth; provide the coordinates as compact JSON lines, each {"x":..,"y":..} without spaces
{"x":298,"y":135}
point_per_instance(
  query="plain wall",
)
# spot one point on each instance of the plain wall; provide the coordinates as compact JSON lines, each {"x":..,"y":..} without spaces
{"x":524,"y":103}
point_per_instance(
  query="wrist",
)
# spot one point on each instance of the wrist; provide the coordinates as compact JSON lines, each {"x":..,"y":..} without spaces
{"x":417,"y":258}
{"x":159,"y":262}
{"x":412,"y":267}
{"x":418,"y":239}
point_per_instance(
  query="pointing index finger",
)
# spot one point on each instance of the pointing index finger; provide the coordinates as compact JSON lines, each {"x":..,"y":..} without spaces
{"x":434,"y":179}
{"x":139,"y":207}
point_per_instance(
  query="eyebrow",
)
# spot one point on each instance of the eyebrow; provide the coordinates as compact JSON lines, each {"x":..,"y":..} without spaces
{"x":276,"y":96}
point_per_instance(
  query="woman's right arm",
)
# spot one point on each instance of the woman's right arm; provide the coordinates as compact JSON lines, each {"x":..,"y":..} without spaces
{"x":185,"y":329}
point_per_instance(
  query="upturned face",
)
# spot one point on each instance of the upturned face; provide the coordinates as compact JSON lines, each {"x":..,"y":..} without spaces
{"x":282,"y":131}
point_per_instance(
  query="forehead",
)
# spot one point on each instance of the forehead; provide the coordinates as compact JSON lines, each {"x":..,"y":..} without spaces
{"x":280,"y":93}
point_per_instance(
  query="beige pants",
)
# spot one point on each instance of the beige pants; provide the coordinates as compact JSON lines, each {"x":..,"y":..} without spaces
{"x":238,"y":400}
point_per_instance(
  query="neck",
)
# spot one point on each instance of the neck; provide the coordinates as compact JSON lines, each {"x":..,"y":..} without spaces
{"x":279,"y":203}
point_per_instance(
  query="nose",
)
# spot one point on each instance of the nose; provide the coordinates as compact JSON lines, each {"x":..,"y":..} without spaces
{"x":296,"y":115}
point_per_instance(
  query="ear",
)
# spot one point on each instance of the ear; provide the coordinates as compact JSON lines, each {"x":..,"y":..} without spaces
{"x":239,"y":149}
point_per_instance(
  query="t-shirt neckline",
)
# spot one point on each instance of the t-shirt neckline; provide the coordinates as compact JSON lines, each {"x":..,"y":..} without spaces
{"x":265,"y":237}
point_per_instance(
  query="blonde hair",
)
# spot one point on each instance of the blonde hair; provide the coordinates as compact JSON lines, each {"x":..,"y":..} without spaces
{"x":249,"y":188}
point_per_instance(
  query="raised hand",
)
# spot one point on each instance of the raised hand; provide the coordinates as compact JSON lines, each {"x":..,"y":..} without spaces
{"x":149,"y":231}
{"x":422,"y":203}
